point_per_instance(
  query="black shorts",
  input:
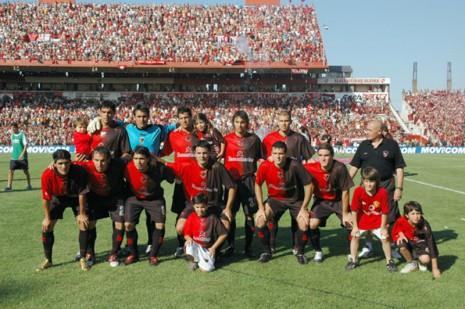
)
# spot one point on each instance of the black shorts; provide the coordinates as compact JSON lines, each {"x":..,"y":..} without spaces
{"x":58,"y":204}
{"x":156,"y":209}
{"x":19,"y":165}
{"x":279,"y":208}
{"x":322,"y":209}
{"x":245,"y":195}
{"x":417,"y":249}
{"x":179,"y":198}
{"x":100,"y":207}
{"x":390,"y":186}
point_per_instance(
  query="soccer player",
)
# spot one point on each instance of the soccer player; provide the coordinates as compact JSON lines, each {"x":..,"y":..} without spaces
{"x":144,"y":176}
{"x":384,"y":155}
{"x":111,"y":135}
{"x":370,"y":209}
{"x":412,"y":233}
{"x":106,"y":198}
{"x":181,"y":142}
{"x":243,"y":151}
{"x":298,"y":147}
{"x":289,"y":187}
{"x":204,"y":234}
{"x":63,"y":186}
{"x":209,"y":177}
{"x":204,"y":130}
{"x":151,"y":136}
{"x":18,"y":157}
{"x":331,"y":195}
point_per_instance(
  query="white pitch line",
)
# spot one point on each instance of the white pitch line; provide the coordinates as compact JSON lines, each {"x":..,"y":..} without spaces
{"x":435,"y":186}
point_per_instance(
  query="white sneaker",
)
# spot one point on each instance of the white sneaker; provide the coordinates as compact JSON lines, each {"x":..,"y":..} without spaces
{"x":422,"y":267}
{"x":365,"y":253}
{"x":409,"y":267}
{"x":318,"y":257}
{"x":148,"y":249}
{"x":294,"y":251}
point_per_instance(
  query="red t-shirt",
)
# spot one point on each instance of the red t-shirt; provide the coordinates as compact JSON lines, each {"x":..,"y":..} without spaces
{"x":82,"y":143}
{"x":241,"y":154}
{"x":369,"y":209}
{"x":180,"y":142}
{"x":110,"y":182}
{"x":284,"y":183}
{"x":71,"y":185}
{"x":204,"y":230}
{"x":402,"y":225}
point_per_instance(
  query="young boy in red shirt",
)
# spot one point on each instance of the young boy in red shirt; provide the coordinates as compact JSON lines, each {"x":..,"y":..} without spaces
{"x":412,"y":233}
{"x":82,"y":140}
{"x":204,"y":233}
{"x":370,"y":208}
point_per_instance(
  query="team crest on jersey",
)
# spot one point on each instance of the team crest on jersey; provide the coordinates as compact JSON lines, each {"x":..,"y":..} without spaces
{"x":144,"y":179}
{"x":374,"y":206}
{"x":141,"y":139}
{"x":326,"y":176}
{"x":385,"y":153}
{"x":203,"y":174}
{"x":280,"y":174}
{"x":188,"y":138}
{"x":239,"y":154}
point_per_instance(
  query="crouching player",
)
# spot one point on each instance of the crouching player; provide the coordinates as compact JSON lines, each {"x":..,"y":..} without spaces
{"x":144,"y":177}
{"x":65,"y":185}
{"x":370,"y":209}
{"x":289,"y":187}
{"x":412,"y":233}
{"x":204,"y":233}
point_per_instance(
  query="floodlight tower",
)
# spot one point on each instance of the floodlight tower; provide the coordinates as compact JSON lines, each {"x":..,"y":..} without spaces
{"x":415,"y":78}
{"x":449,"y":76}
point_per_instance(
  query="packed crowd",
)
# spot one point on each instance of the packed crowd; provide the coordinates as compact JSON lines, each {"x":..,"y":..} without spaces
{"x":47,"y":119}
{"x":440,"y":114}
{"x":181,"y":33}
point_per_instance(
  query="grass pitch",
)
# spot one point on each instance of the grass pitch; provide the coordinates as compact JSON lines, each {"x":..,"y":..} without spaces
{"x":238,"y":282}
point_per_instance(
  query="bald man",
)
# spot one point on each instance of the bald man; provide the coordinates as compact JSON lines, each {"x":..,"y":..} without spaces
{"x":384,"y":155}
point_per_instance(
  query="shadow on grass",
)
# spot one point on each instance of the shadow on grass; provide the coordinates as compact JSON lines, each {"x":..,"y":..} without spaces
{"x":443,"y":236}
{"x":410,"y":174}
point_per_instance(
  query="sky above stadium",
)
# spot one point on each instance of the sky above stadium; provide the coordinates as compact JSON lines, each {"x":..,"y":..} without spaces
{"x":383,"y":38}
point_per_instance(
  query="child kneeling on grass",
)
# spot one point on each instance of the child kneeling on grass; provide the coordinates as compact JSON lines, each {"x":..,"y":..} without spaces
{"x":204,"y":233}
{"x":370,"y":208}
{"x":412,"y":233}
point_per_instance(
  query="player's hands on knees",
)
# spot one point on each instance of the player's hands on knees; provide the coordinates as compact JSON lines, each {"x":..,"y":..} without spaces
{"x":355,"y":232}
{"x":261,"y":214}
{"x":94,"y":125}
{"x":304,"y":217}
{"x":436,"y":273}
{"x":228,"y":214}
{"x":347,"y":219}
{"x":212,"y":251}
{"x":401,"y":239}
{"x":83,"y":220}
{"x":384,"y":232}
{"x":46,"y":224}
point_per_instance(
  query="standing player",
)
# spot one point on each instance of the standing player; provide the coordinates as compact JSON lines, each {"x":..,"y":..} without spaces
{"x":63,"y":186}
{"x":298,"y":147}
{"x":144,"y":177}
{"x":111,"y":135}
{"x":18,"y":157}
{"x":181,"y":142}
{"x":331,"y":196}
{"x":384,"y":155}
{"x":209,"y":177}
{"x":106,"y":197}
{"x":243,"y":151}
{"x":289,"y":187}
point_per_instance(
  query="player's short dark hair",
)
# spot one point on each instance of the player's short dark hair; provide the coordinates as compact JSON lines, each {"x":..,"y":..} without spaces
{"x":61,"y":154}
{"x":279,"y":145}
{"x":202,"y":144}
{"x":14,"y":125}
{"x":327,"y":146}
{"x":411,"y":206}
{"x":108,"y":104}
{"x":326,"y":138}
{"x":372,"y":174}
{"x":241,"y":114}
{"x":200,"y":198}
{"x":142,"y":150}
{"x":141,"y":106}
{"x":184,"y":110}
{"x":102,"y":150}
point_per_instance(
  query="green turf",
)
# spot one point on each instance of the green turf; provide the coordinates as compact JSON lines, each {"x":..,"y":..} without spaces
{"x":238,"y":282}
